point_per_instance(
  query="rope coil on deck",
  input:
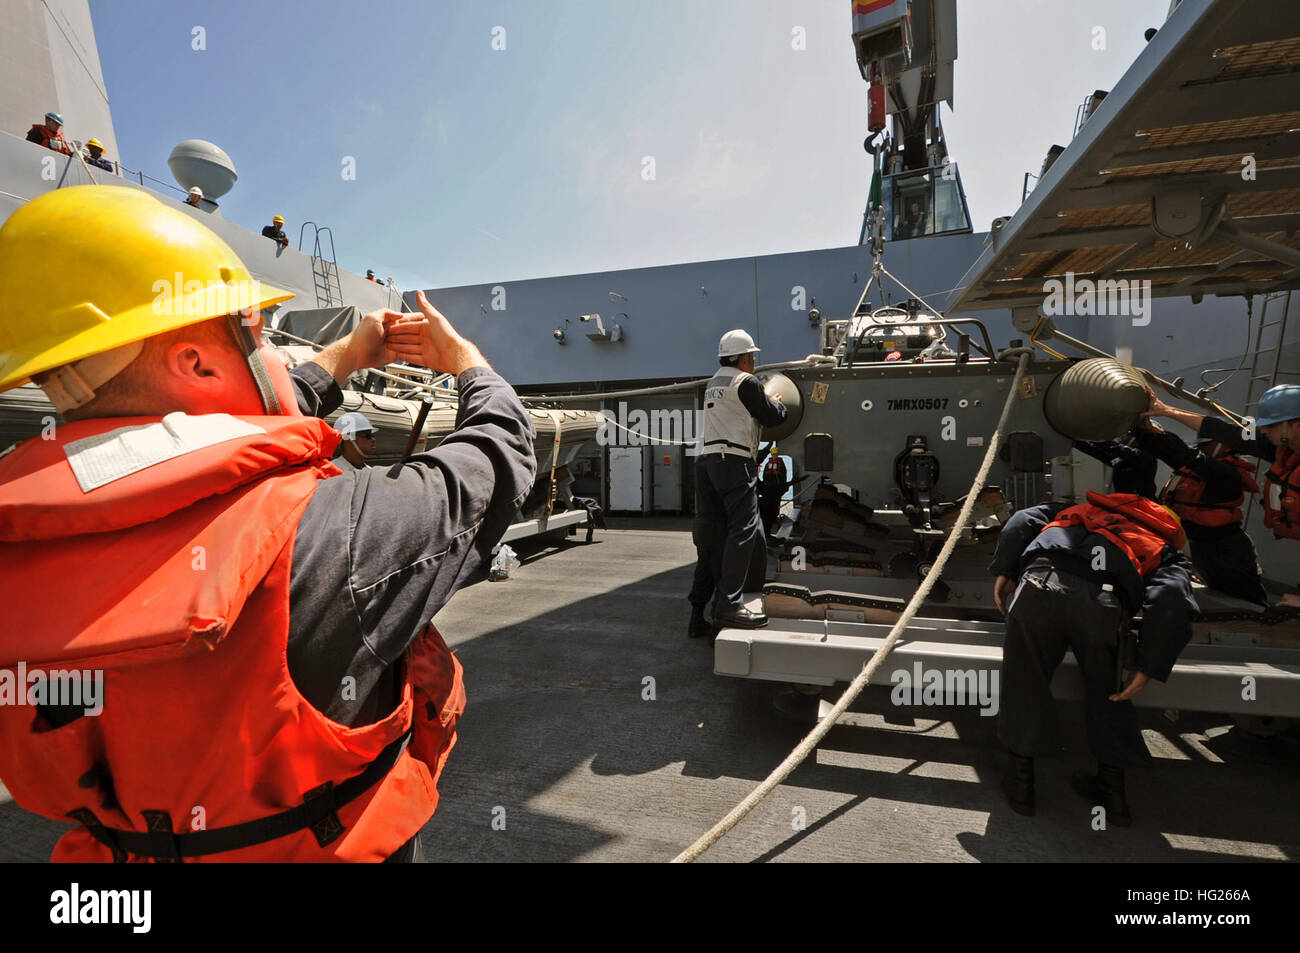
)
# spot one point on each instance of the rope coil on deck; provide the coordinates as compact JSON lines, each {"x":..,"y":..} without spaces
{"x":819,"y":731}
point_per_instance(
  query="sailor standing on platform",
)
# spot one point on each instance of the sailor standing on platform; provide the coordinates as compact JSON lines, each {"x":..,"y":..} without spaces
{"x":726,"y":485}
{"x":1207,"y":491}
{"x":1278,"y":444}
{"x":771,"y":488}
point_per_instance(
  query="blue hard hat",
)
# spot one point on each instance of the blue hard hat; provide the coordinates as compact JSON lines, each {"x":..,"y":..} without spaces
{"x":1280,"y":403}
{"x":349,"y":425}
{"x":55,"y":116}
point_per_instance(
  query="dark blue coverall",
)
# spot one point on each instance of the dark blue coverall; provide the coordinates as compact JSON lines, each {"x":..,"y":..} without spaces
{"x":1133,"y":470}
{"x":731,"y":548}
{"x":1056,"y":606}
{"x":379,"y":551}
{"x":1224,"y":556}
{"x":1216,"y":428}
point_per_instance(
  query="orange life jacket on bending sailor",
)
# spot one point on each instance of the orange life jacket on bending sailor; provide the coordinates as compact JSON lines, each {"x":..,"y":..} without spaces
{"x":1282,"y":494}
{"x":1140,"y":527}
{"x":1183,"y":493}
{"x":178,"y":579}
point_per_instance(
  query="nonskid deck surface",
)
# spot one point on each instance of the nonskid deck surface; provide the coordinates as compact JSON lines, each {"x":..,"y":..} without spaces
{"x":563,"y":756}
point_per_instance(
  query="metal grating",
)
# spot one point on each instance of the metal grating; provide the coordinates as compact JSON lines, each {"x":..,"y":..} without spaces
{"x":1168,"y":254}
{"x":1218,"y":130}
{"x":1217,"y":83}
{"x":1247,"y":205}
{"x":1231,"y":163}
{"x":1083,"y":219}
{"x":1034,"y":264}
{"x":1087,"y":260}
{"x":1258,"y":59}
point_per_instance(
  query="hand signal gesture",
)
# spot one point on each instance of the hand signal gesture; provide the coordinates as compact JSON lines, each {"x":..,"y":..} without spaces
{"x":429,"y":339}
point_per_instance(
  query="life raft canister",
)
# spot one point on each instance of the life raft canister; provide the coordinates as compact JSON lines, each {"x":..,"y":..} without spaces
{"x":1183,"y":493}
{"x":204,"y":747}
{"x":1282,"y":495}
{"x":1140,"y":527}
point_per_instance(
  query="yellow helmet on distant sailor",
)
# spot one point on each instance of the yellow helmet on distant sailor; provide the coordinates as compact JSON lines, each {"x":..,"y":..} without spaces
{"x":278,"y":220}
{"x":90,"y":268}
{"x":93,"y":143}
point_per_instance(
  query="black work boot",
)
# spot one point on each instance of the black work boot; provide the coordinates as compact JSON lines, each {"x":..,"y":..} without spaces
{"x":742,"y":619}
{"x":699,"y":627}
{"x":1106,"y":788}
{"x":1018,"y":784}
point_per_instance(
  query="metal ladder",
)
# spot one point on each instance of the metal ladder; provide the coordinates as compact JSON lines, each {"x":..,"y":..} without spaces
{"x":325,"y":271}
{"x":1254,"y":390}
{"x":1261,"y":381}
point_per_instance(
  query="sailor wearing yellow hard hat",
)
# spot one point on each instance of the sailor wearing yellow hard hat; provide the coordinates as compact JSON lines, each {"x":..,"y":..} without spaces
{"x":94,"y":155}
{"x":275,"y":231}
{"x":227,"y":588}
{"x":155,"y":271}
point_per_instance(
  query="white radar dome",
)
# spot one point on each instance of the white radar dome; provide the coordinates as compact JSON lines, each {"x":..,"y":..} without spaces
{"x":197,"y":162}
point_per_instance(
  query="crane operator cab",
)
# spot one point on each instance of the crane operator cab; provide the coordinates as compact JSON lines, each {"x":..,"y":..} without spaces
{"x":905,"y":51}
{"x":923,"y":203}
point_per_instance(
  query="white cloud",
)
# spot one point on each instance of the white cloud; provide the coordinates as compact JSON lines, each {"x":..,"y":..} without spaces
{"x":719,"y":171}
{"x":435,"y":126}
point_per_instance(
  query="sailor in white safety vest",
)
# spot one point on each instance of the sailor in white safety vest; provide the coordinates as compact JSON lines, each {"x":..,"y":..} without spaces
{"x":728,"y":531}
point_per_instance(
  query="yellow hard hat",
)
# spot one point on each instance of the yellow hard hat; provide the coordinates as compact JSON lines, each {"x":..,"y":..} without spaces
{"x":90,"y":268}
{"x":1181,"y":541}
{"x":278,"y":220}
{"x":93,"y":143}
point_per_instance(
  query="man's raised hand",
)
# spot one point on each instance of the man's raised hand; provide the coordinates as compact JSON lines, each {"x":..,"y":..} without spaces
{"x":366,"y":344}
{"x":429,"y":339}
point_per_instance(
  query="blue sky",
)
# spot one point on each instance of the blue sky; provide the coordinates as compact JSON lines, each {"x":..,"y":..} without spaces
{"x":475,"y":164}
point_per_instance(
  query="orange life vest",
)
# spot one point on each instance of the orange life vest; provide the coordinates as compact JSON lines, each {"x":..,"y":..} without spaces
{"x":1183,"y":492}
{"x":1282,"y":495}
{"x":51,"y":140}
{"x":1140,"y":527}
{"x":174,"y":581}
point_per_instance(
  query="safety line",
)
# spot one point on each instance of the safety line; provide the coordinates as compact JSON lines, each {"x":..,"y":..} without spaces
{"x":812,"y":360}
{"x":604,"y":416}
{"x":805,"y":747}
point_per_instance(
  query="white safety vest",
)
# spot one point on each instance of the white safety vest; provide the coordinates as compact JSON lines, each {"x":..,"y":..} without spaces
{"x":728,"y":425}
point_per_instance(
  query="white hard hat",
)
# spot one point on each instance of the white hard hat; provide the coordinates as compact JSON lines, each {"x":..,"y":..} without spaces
{"x":735,"y":343}
{"x":349,"y":425}
{"x":195,"y":190}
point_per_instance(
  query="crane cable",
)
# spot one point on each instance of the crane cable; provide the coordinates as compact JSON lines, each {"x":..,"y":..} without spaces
{"x":805,"y":747}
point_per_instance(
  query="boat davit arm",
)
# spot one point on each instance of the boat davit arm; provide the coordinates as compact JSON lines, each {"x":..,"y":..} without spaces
{"x":1043,"y":328}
